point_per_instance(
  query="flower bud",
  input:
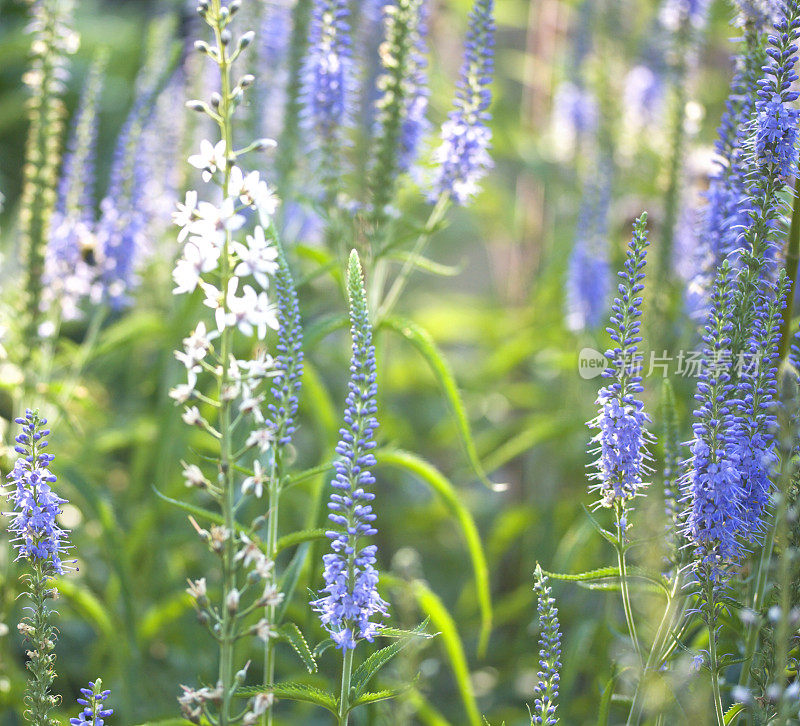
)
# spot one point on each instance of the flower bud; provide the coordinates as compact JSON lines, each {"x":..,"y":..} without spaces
{"x":225,"y":37}
{"x":246,"y":39}
{"x":232,"y":601}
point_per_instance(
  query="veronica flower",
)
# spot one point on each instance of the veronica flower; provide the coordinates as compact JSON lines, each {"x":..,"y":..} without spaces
{"x":546,"y":690}
{"x":402,"y":105}
{"x":69,"y":272}
{"x":94,"y":711}
{"x":574,"y":114}
{"x":726,"y":214}
{"x":120,"y":230}
{"x":463,"y":156}
{"x":40,"y":542}
{"x":588,"y":286}
{"x":273,"y":51}
{"x":622,"y":438}
{"x":711,"y":483}
{"x":37,"y":536}
{"x":677,"y":14}
{"x":758,"y":400}
{"x":327,"y":75}
{"x":289,"y":360}
{"x":349,"y":605}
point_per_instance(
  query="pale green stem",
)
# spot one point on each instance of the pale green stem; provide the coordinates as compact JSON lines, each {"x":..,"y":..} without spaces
{"x":436,"y":215}
{"x":714,"y":666}
{"x":751,"y":637}
{"x":227,"y":636}
{"x":344,"y":698}
{"x":654,"y":657}
{"x":623,"y":584}
{"x":272,"y":550}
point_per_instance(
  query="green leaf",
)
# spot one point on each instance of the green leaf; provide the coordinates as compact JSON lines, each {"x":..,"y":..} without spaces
{"x":375,"y":696}
{"x":593,"y":577}
{"x":292,"y":635}
{"x":322,"y":646}
{"x":289,"y":579}
{"x":88,"y":606}
{"x":443,"y":622}
{"x":306,"y":474}
{"x":424,"y":343}
{"x":426,"y":713}
{"x":317,"y":403}
{"x":425,"y":264}
{"x":602,"y":530}
{"x":447,"y":492}
{"x":161,"y":614}
{"x":605,"y":702}
{"x":295,"y":538}
{"x":193,"y":509}
{"x":294,"y":691}
{"x":364,"y":673}
{"x":733,"y":713}
{"x":321,"y":329}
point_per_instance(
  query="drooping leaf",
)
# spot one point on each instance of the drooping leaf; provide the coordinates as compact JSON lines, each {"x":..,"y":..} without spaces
{"x":294,"y":691}
{"x":295,"y":538}
{"x":364,"y":673}
{"x":442,"y":621}
{"x":448,"y":494}
{"x":426,"y":346}
{"x":375,"y":696}
{"x":292,"y":635}
{"x":733,"y":713}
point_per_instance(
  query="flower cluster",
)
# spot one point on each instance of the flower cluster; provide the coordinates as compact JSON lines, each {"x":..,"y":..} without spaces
{"x":289,"y":358}
{"x":588,"y":286}
{"x":757,"y":402}
{"x":37,"y":535}
{"x":776,"y":119}
{"x":350,"y":603}
{"x":546,"y":690}
{"x":463,"y":156}
{"x":711,"y":483}
{"x":93,"y":700}
{"x":328,"y":71}
{"x":676,"y":14}
{"x":621,"y":439}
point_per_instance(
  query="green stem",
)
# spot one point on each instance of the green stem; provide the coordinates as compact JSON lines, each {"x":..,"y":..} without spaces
{"x":714,"y":666}
{"x":272,"y":547}
{"x":344,"y":698}
{"x":436,"y":215}
{"x":654,"y":657}
{"x":752,"y":630}
{"x":226,"y":483}
{"x":623,"y":580}
{"x":792,"y":261}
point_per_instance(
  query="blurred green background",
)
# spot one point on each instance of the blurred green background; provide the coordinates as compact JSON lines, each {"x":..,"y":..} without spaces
{"x":124,"y":616}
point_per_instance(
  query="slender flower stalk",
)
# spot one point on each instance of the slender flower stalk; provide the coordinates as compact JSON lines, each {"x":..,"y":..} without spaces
{"x":403,"y":102}
{"x":69,"y":268}
{"x":283,"y":410}
{"x":772,"y":148}
{"x":53,"y":41}
{"x":328,"y":86}
{"x":349,"y":605}
{"x":588,"y":285}
{"x":622,"y":439}
{"x":463,"y":156}
{"x":40,"y":543}
{"x":546,"y":690}
{"x":218,"y":263}
{"x":93,"y":699}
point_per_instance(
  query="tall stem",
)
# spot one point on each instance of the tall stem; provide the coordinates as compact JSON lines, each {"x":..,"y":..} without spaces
{"x":344,"y":698}
{"x":623,"y":580}
{"x":272,"y":546}
{"x":792,"y":261}
{"x":436,"y":215}
{"x":714,"y":666}
{"x":226,"y":483}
